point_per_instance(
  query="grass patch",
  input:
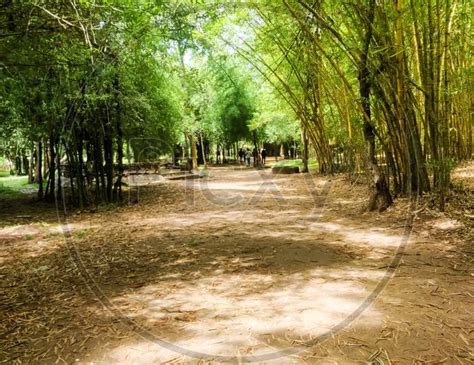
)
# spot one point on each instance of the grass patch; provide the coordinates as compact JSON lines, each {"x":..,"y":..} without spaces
{"x":4,"y":173}
{"x":15,"y":186}
{"x":312,"y":164}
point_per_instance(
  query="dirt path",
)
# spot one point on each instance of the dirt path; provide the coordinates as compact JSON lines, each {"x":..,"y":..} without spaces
{"x":240,"y":264}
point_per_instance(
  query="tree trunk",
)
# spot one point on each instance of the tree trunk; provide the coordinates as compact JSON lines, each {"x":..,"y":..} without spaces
{"x":117,"y":192}
{"x":109,"y":165}
{"x":192,"y":141}
{"x":81,"y":169}
{"x":17,"y":165}
{"x":31,"y":167}
{"x":50,"y":186}
{"x":39,"y":165}
{"x":58,"y":165}
{"x":118,"y":183}
{"x":304,"y":137}
{"x":203,"y":150}
{"x":26,"y":167}
{"x":378,"y":184}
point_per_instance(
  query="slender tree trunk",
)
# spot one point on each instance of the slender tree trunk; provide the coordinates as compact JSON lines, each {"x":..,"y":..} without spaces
{"x":39,"y":174}
{"x":304,"y":137}
{"x":118,"y":183}
{"x":379,"y":185}
{"x":203,"y":150}
{"x":81,"y":169}
{"x":31,"y":167}
{"x":109,"y":165}
{"x":17,"y":165}
{"x":58,"y":164}
{"x":70,"y":171}
{"x":25,"y":164}
{"x":52,"y":169}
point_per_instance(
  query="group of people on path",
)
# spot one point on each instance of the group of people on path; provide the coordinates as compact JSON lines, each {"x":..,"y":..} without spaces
{"x":259,"y":156}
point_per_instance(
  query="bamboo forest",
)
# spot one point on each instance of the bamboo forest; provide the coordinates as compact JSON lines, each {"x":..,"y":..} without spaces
{"x":236,"y":181}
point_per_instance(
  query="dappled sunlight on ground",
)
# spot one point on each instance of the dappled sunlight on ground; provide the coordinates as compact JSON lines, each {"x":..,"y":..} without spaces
{"x":464,"y":174}
{"x":446,"y":224}
{"x":18,"y":231}
{"x":218,"y":217}
{"x":267,"y":184}
{"x":374,"y":237}
{"x":21,"y":241}
{"x":229,"y":267}
{"x":254,"y":313}
{"x":239,"y":189}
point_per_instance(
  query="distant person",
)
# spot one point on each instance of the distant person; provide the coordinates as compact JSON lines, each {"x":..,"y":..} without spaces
{"x":264,"y":155}
{"x":255,"y":156}
{"x":241,"y":155}
{"x":247,"y":157}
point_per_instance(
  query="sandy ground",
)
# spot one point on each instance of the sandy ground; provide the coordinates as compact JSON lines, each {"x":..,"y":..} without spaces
{"x":239,"y":266}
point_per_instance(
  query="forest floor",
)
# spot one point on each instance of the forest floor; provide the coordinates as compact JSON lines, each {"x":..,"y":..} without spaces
{"x":241,"y":263}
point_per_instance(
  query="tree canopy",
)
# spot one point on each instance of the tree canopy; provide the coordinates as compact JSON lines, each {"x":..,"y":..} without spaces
{"x":89,"y":86}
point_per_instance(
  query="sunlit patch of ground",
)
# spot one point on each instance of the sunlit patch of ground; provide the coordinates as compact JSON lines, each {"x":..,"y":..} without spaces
{"x":18,"y":231}
{"x":222,"y":312}
{"x":30,"y":240}
{"x":446,"y":224}
{"x":465,"y":174}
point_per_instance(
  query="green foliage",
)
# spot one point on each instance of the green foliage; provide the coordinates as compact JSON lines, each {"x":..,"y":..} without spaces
{"x":84,"y":81}
{"x":232,"y":105}
{"x":274,"y":119}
